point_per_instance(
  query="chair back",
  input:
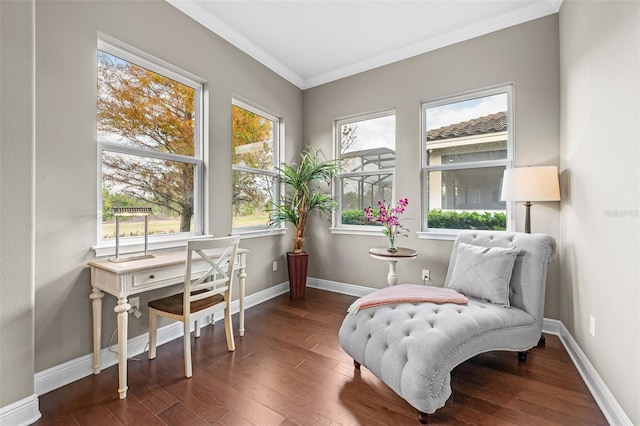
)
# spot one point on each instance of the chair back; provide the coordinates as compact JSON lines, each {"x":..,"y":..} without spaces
{"x":528,"y":279}
{"x":218,"y":272}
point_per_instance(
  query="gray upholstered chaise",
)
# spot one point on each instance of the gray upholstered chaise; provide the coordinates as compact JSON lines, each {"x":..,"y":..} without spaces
{"x":412,"y":347}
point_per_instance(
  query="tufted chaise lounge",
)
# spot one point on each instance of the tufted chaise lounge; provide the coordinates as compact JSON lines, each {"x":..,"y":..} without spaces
{"x":412,"y":347}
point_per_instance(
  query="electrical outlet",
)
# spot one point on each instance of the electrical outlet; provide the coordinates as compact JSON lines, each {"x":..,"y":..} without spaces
{"x":135,"y":303}
{"x":275,"y":265}
{"x":425,"y":275}
{"x":592,"y":325}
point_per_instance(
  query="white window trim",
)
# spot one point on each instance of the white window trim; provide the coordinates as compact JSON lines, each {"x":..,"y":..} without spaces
{"x":136,"y":56}
{"x":336,"y":226}
{"x":278,"y":138}
{"x":451,"y":234}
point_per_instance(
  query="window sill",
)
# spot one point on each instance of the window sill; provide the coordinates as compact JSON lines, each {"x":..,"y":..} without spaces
{"x":377,"y":232}
{"x":444,"y":234}
{"x":127,"y":246}
{"x":257,"y":233}
{"x":108,"y":248}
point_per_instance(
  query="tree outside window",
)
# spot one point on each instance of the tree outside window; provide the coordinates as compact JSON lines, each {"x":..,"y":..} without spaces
{"x":254,"y":144}
{"x":150,"y":152}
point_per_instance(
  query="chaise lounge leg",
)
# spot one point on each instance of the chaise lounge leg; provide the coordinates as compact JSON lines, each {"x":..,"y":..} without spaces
{"x":522,"y":356}
{"x":422,"y":417}
{"x":542,"y":342}
{"x":356,"y":364}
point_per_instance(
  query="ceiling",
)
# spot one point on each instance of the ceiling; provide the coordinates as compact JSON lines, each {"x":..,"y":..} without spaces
{"x":311,"y":42}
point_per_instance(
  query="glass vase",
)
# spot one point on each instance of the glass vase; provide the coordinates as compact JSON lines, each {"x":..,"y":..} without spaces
{"x":391,"y":248}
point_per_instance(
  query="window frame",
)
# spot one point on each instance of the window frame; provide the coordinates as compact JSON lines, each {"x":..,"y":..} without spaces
{"x":337,"y":226}
{"x":142,"y":59}
{"x":449,"y":233}
{"x":278,"y":154}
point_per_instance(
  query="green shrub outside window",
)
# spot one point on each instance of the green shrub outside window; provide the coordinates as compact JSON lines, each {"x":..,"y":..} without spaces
{"x":442,"y":219}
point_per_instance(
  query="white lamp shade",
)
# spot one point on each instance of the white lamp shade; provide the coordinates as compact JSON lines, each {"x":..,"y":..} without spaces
{"x":531,"y":184}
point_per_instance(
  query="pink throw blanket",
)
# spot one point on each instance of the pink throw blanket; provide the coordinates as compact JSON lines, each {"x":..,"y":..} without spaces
{"x":407,"y":293}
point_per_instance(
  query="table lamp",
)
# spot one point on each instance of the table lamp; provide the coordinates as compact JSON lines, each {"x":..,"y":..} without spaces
{"x":131,"y":211}
{"x":530,"y":184}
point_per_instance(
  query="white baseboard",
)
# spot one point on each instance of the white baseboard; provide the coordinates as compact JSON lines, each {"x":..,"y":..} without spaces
{"x":337,"y":287}
{"x":604,"y":398}
{"x":26,"y":411}
{"x":601,"y":394}
{"x":75,"y":369}
{"x":21,"y":413}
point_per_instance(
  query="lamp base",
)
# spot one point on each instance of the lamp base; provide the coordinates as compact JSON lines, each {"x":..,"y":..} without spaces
{"x":129,"y":258}
{"x":527,"y":217}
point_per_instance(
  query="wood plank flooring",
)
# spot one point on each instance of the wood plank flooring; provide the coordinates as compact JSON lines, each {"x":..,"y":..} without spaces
{"x":289,"y":369}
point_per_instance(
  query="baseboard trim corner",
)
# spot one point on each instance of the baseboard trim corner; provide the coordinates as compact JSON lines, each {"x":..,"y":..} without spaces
{"x":610,"y":407}
{"x":21,"y":413}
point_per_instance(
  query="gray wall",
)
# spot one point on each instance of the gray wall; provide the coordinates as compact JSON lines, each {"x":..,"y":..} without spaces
{"x":597,"y":272}
{"x":16,"y":201}
{"x":66,"y":152}
{"x":600,"y":163}
{"x":526,"y":55}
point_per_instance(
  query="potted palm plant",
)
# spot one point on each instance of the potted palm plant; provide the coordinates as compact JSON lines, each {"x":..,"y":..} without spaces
{"x":303,"y":194}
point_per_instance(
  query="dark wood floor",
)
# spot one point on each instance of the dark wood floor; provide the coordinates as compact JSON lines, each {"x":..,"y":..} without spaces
{"x":289,"y":369}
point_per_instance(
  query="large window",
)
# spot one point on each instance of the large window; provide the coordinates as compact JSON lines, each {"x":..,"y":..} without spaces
{"x":255,"y":151}
{"x":466,"y":148}
{"x":366,"y":150}
{"x":150,"y":146}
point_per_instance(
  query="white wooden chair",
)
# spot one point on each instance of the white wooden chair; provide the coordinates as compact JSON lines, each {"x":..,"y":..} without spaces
{"x":203,"y":291}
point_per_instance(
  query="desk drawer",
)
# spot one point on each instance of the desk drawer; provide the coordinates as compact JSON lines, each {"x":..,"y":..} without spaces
{"x":166,"y":276}
{"x":158,"y":277}
{"x":169,"y":275}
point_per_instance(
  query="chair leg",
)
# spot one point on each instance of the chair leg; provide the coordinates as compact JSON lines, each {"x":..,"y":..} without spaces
{"x":187,"y":349}
{"x":153,"y":331}
{"x":228,"y":329}
{"x":196,"y":329}
{"x":356,"y":364}
{"x":542,"y":342}
{"x":522,"y":356}
{"x":422,"y":417}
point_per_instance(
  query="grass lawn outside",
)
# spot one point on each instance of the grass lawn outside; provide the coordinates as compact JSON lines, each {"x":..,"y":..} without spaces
{"x":135,"y":227}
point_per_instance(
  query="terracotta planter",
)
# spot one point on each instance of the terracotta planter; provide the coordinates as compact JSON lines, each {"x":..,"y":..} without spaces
{"x":297,"y":264}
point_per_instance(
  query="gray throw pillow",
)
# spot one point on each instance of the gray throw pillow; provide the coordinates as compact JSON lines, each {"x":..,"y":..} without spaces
{"x":483,"y":272}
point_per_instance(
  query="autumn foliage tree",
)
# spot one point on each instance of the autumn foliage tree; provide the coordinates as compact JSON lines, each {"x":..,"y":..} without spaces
{"x":149,"y":113}
{"x":252,"y":150}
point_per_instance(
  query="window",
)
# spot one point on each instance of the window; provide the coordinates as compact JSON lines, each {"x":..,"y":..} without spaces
{"x":255,"y":146}
{"x":150,"y":146}
{"x":366,"y":148}
{"x":466,"y":148}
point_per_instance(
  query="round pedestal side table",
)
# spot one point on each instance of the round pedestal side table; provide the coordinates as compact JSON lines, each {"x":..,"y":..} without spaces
{"x":382,"y":253}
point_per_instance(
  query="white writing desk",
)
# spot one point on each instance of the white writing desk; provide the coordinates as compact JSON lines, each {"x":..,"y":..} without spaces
{"x":125,"y":279}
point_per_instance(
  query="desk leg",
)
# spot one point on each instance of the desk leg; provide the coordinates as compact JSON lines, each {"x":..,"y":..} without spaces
{"x":392,"y":276}
{"x":121,"y":310}
{"x":96,"y":303}
{"x":241,"y":277}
